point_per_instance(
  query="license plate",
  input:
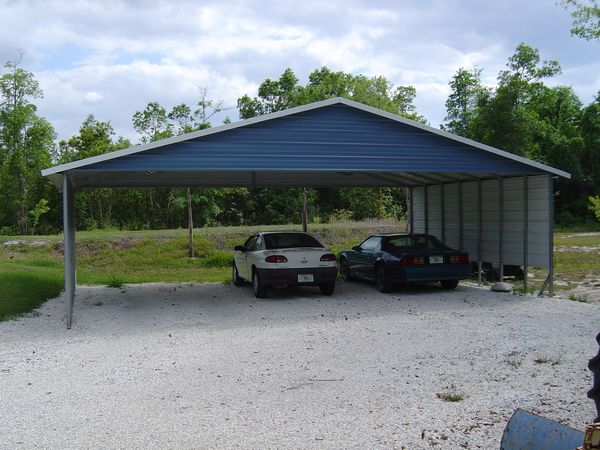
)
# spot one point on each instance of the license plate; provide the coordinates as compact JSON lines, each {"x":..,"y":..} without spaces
{"x":305,"y":278}
{"x":436,"y":259}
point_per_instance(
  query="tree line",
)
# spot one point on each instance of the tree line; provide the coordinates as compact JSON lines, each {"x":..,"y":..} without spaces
{"x":520,"y":114}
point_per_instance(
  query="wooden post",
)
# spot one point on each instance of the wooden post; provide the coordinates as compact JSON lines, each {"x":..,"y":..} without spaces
{"x":304,"y":212}
{"x":190,"y":225}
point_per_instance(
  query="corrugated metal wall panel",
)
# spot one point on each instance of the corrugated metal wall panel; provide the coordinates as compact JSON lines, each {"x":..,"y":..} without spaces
{"x":434,"y":210}
{"x":513,"y":239}
{"x":451,"y":215}
{"x":470,"y":219}
{"x":418,"y":209}
{"x":539,"y":221}
{"x":490,"y":225}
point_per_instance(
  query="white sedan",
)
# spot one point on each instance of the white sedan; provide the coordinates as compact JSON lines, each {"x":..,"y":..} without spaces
{"x":284,"y":259}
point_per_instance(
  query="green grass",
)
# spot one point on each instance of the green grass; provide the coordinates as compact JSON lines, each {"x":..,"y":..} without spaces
{"x":26,"y":286}
{"x":114,"y":257}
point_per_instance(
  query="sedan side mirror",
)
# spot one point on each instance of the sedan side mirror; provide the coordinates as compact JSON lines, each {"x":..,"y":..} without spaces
{"x":357,"y":248}
{"x":239,"y":248}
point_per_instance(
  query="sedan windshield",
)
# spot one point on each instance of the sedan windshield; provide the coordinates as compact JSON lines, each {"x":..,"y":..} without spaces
{"x":290,"y":240}
{"x":406,"y":243}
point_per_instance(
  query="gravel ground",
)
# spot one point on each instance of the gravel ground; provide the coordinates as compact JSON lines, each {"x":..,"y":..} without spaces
{"x":209,"y":366}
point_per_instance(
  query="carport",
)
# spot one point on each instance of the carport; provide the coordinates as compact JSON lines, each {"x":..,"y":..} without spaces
{"x":491,"y":203}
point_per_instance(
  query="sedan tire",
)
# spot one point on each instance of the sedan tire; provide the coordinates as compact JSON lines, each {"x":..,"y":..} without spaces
{"x":260,"y":290}
{"x":235,"y":276}
{"x":449,"y":284}
{"x":327,"y":288}
{"x":381,"y":279}
{"x":345,"y":270}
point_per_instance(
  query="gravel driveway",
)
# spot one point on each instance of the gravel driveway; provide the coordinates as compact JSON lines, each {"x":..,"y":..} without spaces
{"x":209,"y":366}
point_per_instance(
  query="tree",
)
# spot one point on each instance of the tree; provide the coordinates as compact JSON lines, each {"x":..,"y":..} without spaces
{"x":586,"y":18}
{"x":26,"y":146}
{"x":461,"y":105}
{"x":322,"y":84}
{"x":152,"y":123}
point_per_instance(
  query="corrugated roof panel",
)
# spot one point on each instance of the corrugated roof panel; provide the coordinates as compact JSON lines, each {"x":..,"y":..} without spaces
{"x":337,"y":137}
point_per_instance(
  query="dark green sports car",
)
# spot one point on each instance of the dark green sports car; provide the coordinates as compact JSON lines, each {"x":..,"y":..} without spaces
{"x":391,"y":259}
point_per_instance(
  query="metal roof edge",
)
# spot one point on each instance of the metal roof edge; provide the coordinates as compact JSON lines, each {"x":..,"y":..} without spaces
{"x":446,"y":134}
{"x":295,"y":110}
{"x":187,"y":136}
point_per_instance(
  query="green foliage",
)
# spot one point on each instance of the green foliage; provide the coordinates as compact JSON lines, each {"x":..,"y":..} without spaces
{"x":586,"y":18}
{"x":115,"y":282}
{"x":595,"y":206}
{"x":524,"y":116}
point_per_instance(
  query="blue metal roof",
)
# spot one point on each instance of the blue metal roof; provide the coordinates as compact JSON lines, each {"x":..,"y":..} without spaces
{"x":337,"y":143}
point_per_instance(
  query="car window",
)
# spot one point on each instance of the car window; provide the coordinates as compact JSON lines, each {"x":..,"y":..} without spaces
{"x":250,"y":244}
{"x":259,"y":243}
{"x":290,"y":240}
{"x":371,"y":244}
{"x":405,"y":243}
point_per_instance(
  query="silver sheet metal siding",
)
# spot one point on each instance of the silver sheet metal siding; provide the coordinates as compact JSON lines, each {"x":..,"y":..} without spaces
{"x":511,"y":210}
{"x":336,"y":138}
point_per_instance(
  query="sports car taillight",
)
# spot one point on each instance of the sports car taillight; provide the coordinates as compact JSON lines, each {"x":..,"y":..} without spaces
{"x":328,"y":257}
{"x":276,"y":259}
{"x":412,"y":261}
{"x":459,"y":259}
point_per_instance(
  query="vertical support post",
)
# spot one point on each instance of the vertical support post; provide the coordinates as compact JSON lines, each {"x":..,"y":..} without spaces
{"x":550,"y":235}
{"x":426,"y":209}
{"x":460,"y":215}
{"x":525,"y":232}
{"x":501,"y":226}
{"x":409,"y":211}
{"x":69,"y":246}
{"x":479,"y":231}
{"x":443,"y":212}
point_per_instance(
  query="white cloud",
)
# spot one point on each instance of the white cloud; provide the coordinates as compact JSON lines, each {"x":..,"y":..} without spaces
{"x":111,"y":58}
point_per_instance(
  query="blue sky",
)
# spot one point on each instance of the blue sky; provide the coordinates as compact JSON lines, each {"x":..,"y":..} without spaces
{"x":111,"y":58}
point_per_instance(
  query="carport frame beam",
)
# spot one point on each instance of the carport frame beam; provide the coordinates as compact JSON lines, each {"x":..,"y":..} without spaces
{"x":68,"y":193}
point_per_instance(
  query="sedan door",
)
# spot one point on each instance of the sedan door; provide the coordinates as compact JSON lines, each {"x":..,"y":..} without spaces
{"x":242,"y":259}
{"x":364,"y":260}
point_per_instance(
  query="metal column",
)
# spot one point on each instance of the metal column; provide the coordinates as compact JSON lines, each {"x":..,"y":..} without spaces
{"x":460,"y":215}
{"x":501,"y":226}
{"x":443,"y":211}
{"x":525,"y":232}
{"x":550,"y":235}
{"x":479,"y":232}
{"x":426,"y":208}
{"x":69,"y":245}
{"x":409,"y":211}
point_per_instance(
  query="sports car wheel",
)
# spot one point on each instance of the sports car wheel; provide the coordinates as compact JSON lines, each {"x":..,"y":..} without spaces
{"x":345,"y":269}
{"x":327,"y":288}
{"x":449,"y":284}
{"x":381,"y":279}
{"x":260,"y":290}
{"x":235,"y":276}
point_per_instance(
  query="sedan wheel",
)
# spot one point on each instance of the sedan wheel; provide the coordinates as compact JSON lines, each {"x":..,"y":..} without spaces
{"x":449,"y":284}
{"x":345,"y":269}
{"x":381,"y":279}
{"x":327,"y":288}
{"x":260,"y":290}
{"x":235,"y":276}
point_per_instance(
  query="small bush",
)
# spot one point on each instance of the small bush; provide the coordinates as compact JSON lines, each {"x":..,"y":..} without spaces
{"x":514,"y":359}
{"x":578,"y":297}
{"x":115,"y":282}
{"x":218,"y":259}
{"x":451,"y":396}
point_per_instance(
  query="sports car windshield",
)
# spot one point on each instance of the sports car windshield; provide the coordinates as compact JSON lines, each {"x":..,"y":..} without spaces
{"x":290,"y":240}
{"x":406,"y":243}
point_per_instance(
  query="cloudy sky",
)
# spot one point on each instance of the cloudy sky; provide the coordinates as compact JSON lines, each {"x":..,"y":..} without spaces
{"x":111,"y":58}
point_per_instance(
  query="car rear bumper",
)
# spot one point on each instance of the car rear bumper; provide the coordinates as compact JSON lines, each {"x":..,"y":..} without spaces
{"x":290,"y":276}
{"x":429,"y":272}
